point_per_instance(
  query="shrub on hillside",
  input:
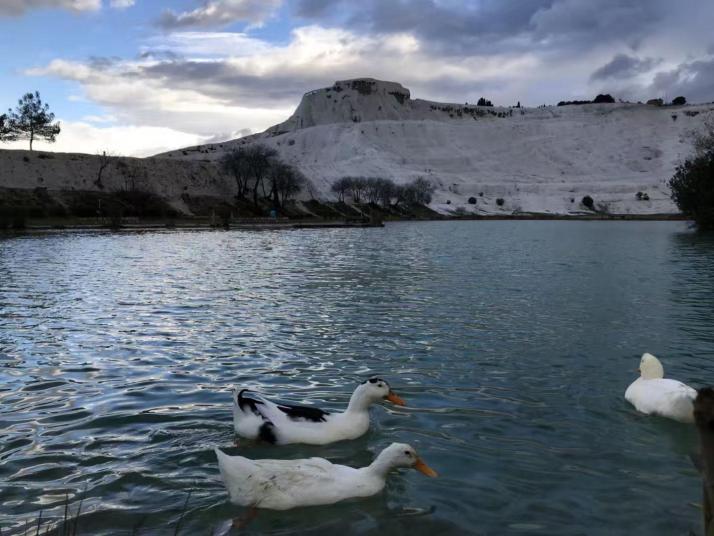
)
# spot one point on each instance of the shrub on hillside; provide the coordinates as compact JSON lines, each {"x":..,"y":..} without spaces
{"x":500,"y":201}
{"x":693,"y":189}
{"x":588,"y":202}
{"x":679,"y":101}
{"x":604,"y":99}
{"x":472,"y":200}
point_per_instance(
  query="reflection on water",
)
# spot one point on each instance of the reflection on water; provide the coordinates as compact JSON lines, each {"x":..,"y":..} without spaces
{"x":512,"y":342}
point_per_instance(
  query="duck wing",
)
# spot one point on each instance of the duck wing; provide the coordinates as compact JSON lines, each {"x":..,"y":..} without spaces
{"x":279,"y":484}
{"x":664,"y":397}
{"x":303,"y":413}
{"x":276,"y":414}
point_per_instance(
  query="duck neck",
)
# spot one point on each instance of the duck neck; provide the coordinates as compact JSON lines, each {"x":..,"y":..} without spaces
{"x":381,"y":466}
{"x":358,"y":403}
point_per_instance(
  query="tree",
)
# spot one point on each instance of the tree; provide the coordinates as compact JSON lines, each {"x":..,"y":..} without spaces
{"x":693,"y":189}
{"x":258,"y":162}
{"x":6,"y":132}
{"x":704,"y":140}
{"x":423,"y":190}
{"x":285,"y":181}
{"x":341,"y":187}
{"x":235,"y":163}
{"x":604,"y":99}
{"x":484,"y":102}
{"x":693,"y":182}
{"x":358,"y":188}
{"x":290,"y":183}
{"x":104,"y":161}
{"x":32,"y":120}
{"x":679,"y":101}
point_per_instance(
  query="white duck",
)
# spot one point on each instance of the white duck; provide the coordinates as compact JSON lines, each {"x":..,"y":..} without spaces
{"x":652,"y":394}
{"x":256,"y":417}
{"x":285,"y":484}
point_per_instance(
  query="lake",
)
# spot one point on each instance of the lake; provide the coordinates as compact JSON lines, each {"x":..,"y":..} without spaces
{"x":512,"y":342}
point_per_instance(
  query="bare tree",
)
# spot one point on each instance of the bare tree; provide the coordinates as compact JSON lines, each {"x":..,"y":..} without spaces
{"x":341,"y":187}
{"x":258,"y":162}
{"x":236,"y":163}
{"x":286,"y":182}
{"x":32,"y":119}
{"x":417,"y":192}
{"x":422,"y":190}
{"x":104,"y":161}
{"x":359,"y":187}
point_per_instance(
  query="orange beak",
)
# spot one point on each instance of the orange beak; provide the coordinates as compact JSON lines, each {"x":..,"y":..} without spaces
{"x":425,"y":469}
{"x":394,"y":399}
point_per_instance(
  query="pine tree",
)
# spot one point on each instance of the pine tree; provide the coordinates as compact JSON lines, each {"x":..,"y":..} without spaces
{"x":33,"y":120}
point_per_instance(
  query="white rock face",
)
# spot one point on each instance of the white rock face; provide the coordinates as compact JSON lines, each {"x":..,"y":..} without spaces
{"x":541,"y":160}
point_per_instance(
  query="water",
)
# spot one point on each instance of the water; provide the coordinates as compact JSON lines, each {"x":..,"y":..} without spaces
{"x":512,"y":342}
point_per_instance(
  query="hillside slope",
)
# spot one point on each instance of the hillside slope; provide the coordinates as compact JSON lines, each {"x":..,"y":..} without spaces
{"x":535,"y":159}
{"x":176,"y":182}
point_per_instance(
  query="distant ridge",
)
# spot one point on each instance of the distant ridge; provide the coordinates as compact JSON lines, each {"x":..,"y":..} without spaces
{"x":535,"y":160}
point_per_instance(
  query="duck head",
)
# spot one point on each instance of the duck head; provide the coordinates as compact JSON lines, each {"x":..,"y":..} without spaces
{"x":372,"y":391}
{"x":650,"y":367}
{"x":402,"y":455}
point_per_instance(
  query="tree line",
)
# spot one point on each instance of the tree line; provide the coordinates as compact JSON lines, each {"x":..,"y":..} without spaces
{"x":31,"y":120}
{"x":383,"y":191}
{"x":257,"y":170}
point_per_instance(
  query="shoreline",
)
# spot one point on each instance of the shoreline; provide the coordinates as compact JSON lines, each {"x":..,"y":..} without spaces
{"x":261,"y":223}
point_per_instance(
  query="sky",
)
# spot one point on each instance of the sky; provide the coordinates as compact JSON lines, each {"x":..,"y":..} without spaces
{"x":138,"y":77}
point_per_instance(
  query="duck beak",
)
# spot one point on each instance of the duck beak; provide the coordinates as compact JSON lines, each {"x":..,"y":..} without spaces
{"x":425,"y":469}
{"x":395,"y":399}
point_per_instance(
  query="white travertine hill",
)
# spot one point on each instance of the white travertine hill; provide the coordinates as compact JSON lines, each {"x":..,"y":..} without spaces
{"x":541,"y":160}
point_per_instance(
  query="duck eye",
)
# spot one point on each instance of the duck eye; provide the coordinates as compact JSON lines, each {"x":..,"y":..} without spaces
{"x":380,"y":385}
{"x":407,"y":453}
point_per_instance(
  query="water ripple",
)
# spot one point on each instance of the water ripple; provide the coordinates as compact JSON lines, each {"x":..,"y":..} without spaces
{"x":512,"y":343}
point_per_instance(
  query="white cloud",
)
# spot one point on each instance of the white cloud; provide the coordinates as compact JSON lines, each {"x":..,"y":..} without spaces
{"x":221,"y":13}
{"x":122,"y":4}
{"x":139,"y":141}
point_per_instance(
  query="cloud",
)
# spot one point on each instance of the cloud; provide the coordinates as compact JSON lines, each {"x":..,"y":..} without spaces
{"x":220,"y":13}
{"x":216,"y":83}
{"x":623,"y":66}
{"x":16,"y":8}
{"x":79,"y":136}
{"x":19,"y":7}
{"x":233,"y":81}
{"x":694,"y":80}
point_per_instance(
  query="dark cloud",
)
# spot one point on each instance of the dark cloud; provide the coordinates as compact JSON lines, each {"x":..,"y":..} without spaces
{"x":694,"y":80}
{"x":623,"y":66}
{"x":223,"y":80}
{"x":313,"y":8}
{"x":219,"y":13}
{"x":102,"y":62}
{"x":488,"y":26}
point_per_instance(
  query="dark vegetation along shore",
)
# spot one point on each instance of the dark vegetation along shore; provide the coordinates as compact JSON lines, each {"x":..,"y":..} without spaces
{"x":87,"y":191}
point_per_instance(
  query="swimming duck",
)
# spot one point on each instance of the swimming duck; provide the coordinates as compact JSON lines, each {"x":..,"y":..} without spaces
{"x":256,"y":417}
{"x":285,"y":484}
{"x":652,"y":394}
